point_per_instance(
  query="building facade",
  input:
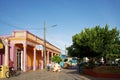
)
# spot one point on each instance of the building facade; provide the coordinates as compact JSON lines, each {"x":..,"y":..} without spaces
{"x":25,"y":50}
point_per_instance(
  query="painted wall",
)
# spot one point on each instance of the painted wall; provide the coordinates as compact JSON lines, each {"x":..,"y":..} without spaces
{"x":25,"y":40}
{"x":38,"y":59}
{"x":29,"y":59}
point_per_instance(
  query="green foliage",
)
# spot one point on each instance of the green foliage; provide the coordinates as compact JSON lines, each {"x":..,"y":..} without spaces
{"x":96,"y":41}
{"x":111,"y":56}
{"x":72,"y":51}
{"x":56,"y":59}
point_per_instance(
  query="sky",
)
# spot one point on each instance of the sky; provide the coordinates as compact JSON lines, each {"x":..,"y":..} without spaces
{"x":70,"y":16}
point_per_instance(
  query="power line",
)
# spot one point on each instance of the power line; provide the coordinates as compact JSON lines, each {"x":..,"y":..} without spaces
{"x":10,"y":25}
{"x":14,"y":26}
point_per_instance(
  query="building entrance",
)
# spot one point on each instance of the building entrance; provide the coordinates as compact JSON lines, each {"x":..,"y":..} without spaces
{"x":18,"y":59}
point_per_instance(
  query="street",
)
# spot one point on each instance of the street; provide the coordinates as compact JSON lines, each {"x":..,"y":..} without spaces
{"x":66,"y":74}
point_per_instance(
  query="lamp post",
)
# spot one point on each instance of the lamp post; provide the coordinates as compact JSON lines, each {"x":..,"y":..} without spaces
{"x":44,"y":48}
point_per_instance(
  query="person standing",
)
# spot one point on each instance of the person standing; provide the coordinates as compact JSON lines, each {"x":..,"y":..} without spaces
{"x":11,"y":64}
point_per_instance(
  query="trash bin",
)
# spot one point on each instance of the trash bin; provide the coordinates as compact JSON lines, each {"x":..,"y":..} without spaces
{"x":3,"y":70}
{"x":48,"y":68}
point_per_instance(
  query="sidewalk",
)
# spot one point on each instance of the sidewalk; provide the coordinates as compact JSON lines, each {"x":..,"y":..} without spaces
{"x":66,"y":74}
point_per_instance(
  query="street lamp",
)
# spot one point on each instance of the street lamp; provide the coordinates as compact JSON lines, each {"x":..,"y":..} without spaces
{"x":44,"y":48}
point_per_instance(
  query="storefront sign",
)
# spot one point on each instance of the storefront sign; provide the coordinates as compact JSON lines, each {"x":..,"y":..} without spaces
{"x":1,"y":44}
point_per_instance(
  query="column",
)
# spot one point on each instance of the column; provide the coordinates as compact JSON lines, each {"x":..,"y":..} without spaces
{"x":34,"y":60}
{"x":13,"y":55}
{"x":42,"y":59}
{"x":22,"y":60}
{"x":52,"y":54}
{"x":12,"y":50}
{"x":48,"y":57}
{"x":25,"y":59}
{"x":6,"y":52}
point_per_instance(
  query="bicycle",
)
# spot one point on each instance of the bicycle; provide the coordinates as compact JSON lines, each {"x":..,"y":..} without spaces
{"x":12,"y":73}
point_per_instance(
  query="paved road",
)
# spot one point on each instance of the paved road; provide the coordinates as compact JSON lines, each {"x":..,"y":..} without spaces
{"x":66,"y":74}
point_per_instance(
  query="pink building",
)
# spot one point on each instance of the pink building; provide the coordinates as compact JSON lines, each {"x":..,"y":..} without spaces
{"x":26,"y":50}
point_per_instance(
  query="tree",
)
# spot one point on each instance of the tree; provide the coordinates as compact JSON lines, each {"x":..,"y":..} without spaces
{"x":72,"y":51}
{"x":56,"y":59}
{"x":95,"y":42}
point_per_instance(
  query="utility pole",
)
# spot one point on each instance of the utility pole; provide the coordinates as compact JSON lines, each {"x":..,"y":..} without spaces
{"x":44,"y":48}
{"x":44,"y":45}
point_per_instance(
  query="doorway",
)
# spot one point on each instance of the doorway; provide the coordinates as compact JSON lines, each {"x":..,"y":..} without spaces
{"x":18,"y":59}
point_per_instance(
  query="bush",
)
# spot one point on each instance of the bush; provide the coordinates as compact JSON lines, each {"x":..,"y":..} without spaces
{"x":56,"y":59}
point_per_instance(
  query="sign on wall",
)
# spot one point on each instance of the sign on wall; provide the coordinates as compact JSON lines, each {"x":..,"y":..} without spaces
{"x":39,"y":47}
{"x":1,"y":44}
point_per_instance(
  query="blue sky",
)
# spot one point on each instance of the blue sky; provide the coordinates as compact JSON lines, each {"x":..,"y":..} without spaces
{"x":71,"y":16}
